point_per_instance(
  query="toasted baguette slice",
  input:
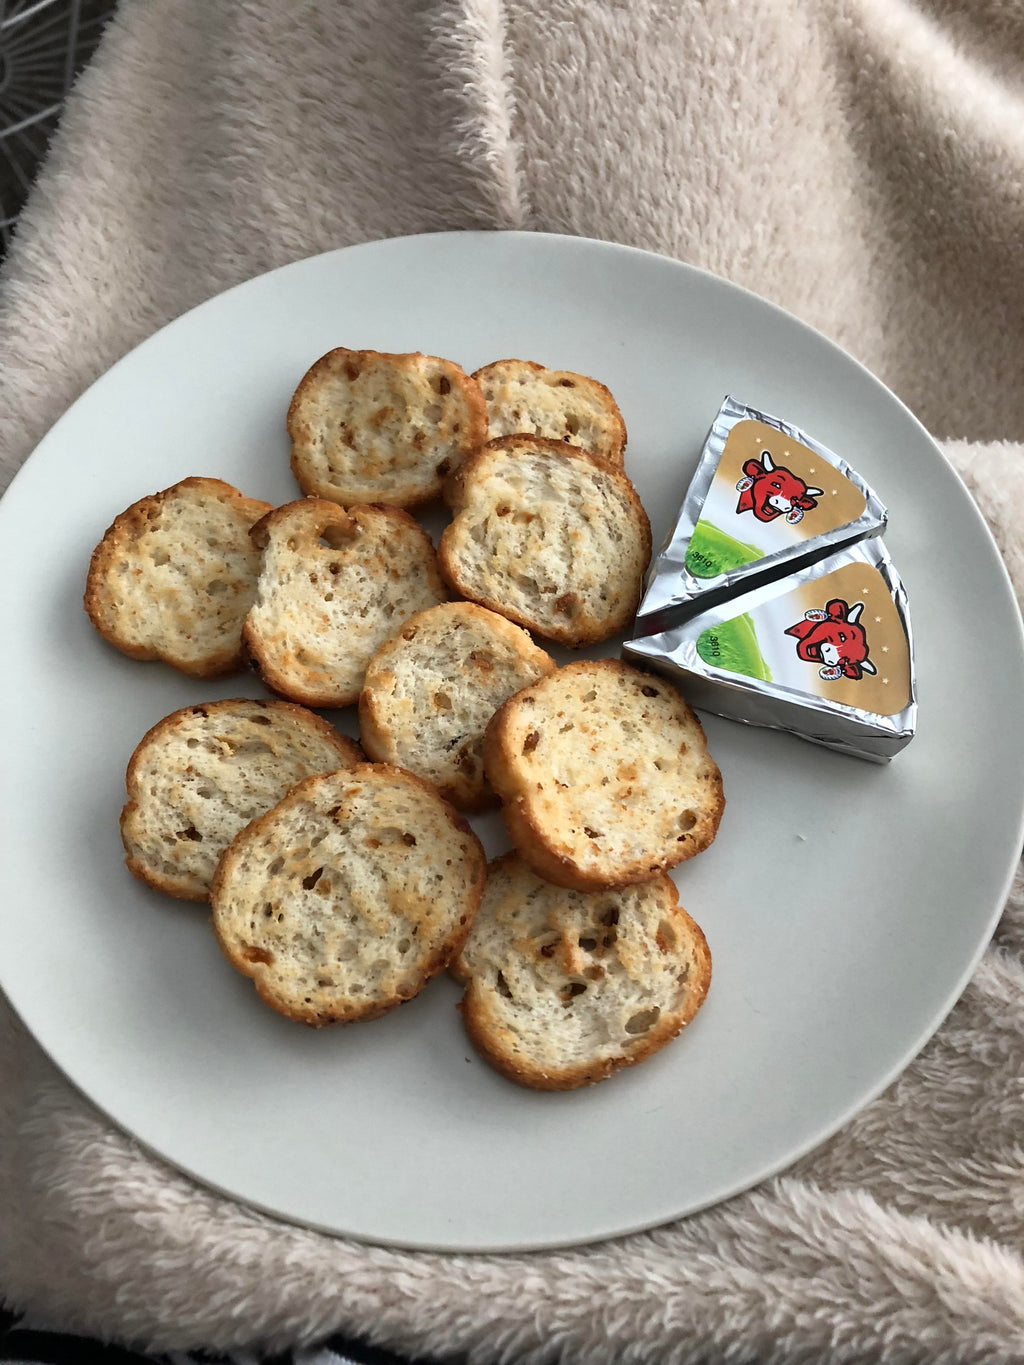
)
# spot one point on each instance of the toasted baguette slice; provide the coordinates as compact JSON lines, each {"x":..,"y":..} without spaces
{"x":200,"y":775}
{"x":430,"y":690}
{"x":332,"y":586}
{"x":605,"y":775}
{"x":522,"y":396}
{"x":551,"y":537}
{"x":371,"y":427}
{"x":348,"y":896}
{"x":565,"y":987}
{"x":174,"y":576}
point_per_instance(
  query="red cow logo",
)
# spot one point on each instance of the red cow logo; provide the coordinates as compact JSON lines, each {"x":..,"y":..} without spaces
{"x":769,"y":490}
{"x":834,"y":639}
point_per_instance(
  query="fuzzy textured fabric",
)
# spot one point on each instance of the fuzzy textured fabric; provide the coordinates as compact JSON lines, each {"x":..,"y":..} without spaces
{"x":861,"y":162}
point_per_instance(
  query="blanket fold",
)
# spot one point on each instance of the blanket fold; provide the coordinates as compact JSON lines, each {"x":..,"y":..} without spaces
{"x":860,"y":163}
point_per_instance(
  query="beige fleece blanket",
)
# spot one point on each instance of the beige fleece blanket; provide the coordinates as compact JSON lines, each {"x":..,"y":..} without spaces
{"x":860,"y":162}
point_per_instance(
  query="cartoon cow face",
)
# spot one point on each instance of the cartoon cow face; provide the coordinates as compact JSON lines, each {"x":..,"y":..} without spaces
{"x":769,"y":490}
{"x":834,"y":639}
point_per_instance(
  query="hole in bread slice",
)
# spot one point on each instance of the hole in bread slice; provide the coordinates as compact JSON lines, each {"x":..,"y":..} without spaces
{"x":643,"y":1021}
{"x":336,"y":535}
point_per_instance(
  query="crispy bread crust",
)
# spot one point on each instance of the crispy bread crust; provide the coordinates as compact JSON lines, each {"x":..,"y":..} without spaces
{"x":485,"y":1032}
{"x":188,"y":888}
{"x":530,"y":833}
{"x":311,"y":518}
{"x":417,"y":491}
{"x":434,"y":964}
{"x":118,"y":539}
{"x":376,"y":731}
{"x":616,"y":448}
{"x":585,"y":630}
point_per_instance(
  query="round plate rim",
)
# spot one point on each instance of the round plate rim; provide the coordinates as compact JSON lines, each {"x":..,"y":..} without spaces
{"x":869,"y":1093}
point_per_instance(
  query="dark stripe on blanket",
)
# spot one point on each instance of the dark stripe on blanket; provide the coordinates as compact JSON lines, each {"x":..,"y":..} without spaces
{"x":34,"y":1347}
{"x":54,"y":1348}
{"x":364,"y":1354}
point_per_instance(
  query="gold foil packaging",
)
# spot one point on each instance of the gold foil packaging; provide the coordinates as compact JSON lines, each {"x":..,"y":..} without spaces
{"x":786,"y":632}
{"x":766,"y":499}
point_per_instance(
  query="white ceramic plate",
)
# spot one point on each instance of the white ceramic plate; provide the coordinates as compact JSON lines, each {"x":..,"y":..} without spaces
{"x":845,"y":904}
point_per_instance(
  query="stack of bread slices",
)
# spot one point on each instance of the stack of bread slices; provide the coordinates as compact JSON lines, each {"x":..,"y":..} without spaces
{"x":342,"y":877}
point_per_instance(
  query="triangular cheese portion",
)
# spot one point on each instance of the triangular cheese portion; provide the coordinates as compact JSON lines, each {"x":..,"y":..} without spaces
{"x":825,"y":653}
{"x":766,"y":498}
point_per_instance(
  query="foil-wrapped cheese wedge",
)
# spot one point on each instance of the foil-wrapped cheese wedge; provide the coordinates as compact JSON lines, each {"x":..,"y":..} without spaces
{"x":826,"y":653}
{"x":766,"y":499}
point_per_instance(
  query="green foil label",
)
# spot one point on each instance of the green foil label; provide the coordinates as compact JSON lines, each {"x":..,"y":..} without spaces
{"x":733,"y":646}
{"x":712,"y":551}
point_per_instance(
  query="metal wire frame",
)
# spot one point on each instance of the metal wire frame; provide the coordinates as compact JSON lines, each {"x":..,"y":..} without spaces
{"x":43,"y":46}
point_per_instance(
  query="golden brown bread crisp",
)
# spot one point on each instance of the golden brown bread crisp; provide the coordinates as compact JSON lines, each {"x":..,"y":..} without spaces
{"x":333,"y":584}
{"x":367,"y":426}
{"x":524,"y":397}
{"x":431,"y":689}
{"x":349,"y":895}
{"x":563,"y":988}
{"x":202,"y":773}
{"x":604,"y":775}
{"x":551,"y":537}
{"x":175,"y":575}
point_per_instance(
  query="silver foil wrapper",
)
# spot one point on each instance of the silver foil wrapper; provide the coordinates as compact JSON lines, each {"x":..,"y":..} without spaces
{"x":773,"y":704}
{"x":672,"y":592}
